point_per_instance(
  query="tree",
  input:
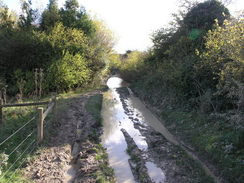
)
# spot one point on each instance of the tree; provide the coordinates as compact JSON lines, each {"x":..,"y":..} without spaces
{"x":64,"y":39}
{"x":101,"y":44}
{"x":71,"y":5}
{"x":8,"y":18}
{"x":50,"y":16}
{"x":28,"y":16}
{"x":224,"y":57}
{"x":69,"y":13}
{"x":203,"y":15}
{"x":74,"y":17}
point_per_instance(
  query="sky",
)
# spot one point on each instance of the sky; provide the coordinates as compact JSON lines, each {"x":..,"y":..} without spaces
{"x":132,"y":21}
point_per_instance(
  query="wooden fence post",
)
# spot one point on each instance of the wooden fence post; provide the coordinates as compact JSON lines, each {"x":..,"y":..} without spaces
{"x":55,"y":109}
{"x":1,"y":112}
{"x":40,"y":125}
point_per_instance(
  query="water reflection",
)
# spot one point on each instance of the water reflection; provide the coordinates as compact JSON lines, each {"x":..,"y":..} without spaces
{"x":114,"y":118}
{"x":113,"y":139}
{"x":147,"y":117}
{"x":114,"y":82}
{"x":155,"y":173}
{"x":70,"y":174}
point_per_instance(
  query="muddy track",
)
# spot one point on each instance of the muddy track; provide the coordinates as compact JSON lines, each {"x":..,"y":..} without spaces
{"x":208,"y":167}
{"x":171,"y":158}
{"x":70,"y":153}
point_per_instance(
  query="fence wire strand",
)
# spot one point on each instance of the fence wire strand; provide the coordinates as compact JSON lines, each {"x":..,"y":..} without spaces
{"x":17,"y":131}
{"x":21,"y":143}
{"x":21,"y":164}
{"x":17,"y":159}
{"x":21,"y":161}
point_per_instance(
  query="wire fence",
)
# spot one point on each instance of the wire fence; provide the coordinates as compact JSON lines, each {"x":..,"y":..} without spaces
{"x":17,"y":131}
{"x":15,"y":148}
{"x":20,"y":141}
{"x":22,"y":162}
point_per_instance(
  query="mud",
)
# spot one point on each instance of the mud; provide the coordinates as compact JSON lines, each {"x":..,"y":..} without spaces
{"x":137,"y":163}
{"x":175,"y":164}
{"x":74,"y":154}
{"x":70,"y":153}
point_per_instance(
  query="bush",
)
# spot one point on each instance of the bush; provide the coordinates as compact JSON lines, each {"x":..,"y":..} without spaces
{"x":70,"y":71}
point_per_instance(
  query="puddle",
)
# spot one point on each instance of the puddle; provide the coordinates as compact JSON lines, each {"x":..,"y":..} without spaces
{"x":113,"y":138}
{"x":155,"y":173}
{"x":148,"y":118}
{"x":114,"y":119}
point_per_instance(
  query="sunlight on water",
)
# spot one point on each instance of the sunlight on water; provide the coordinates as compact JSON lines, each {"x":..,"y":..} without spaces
{"x":114,"y":82}
{"x":112,"y":138}
{"x":114,"y":119}
{"x":70,"y":174}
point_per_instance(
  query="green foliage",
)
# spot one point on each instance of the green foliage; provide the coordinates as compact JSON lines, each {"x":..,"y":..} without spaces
{"x":50,"y":16}
{"x":68,"y":45}
{"x":28,"y":15}
{"x":197,"y":64}
{"x":22,"y":50}
{"x":64,"y":39}
{"x":130,"y":64}
{"x":101,"y":45}
{"x":202,"y":15}
{"x":68,"y":72}
{"x":174,"y":65}
{"x":72,"y":17}
{"x":223,"y":57}
{"x":7,"y":18}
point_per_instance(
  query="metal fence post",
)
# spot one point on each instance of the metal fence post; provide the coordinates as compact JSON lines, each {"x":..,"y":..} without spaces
{"x":40,"y":125}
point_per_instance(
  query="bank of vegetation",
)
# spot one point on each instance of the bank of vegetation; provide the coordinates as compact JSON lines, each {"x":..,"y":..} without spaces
{"x":66,"y":45}
{"x":55,"y":50}
{"x":194,"y":76}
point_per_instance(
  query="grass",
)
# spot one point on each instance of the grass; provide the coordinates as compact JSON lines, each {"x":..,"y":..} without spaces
{"x":211,"y":139}
{"x":94,"y":106}
{"x":105,"y":174}
{"x":14,"y":149}
{"x":15,"y":118}
{"x":216,"y":138}
{"x":191,"y":167}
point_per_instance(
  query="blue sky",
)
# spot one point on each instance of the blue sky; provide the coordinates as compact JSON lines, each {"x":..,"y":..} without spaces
{"x":132,"y":21}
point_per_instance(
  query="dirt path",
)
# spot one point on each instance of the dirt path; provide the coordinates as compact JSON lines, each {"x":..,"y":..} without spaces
{"x":71,"y":152}
{"x":74,"y":154}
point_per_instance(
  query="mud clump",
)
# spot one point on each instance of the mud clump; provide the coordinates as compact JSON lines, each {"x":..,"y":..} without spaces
{"x":136,"y":161}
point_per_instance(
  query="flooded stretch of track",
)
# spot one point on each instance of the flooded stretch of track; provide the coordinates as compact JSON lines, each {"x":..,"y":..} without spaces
{"x":116,"y":118}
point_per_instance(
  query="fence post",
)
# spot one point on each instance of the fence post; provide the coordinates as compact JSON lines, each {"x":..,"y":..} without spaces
{"x":55,"y":109}
{"x":1,"y":112}
{"x":40,"y":125}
